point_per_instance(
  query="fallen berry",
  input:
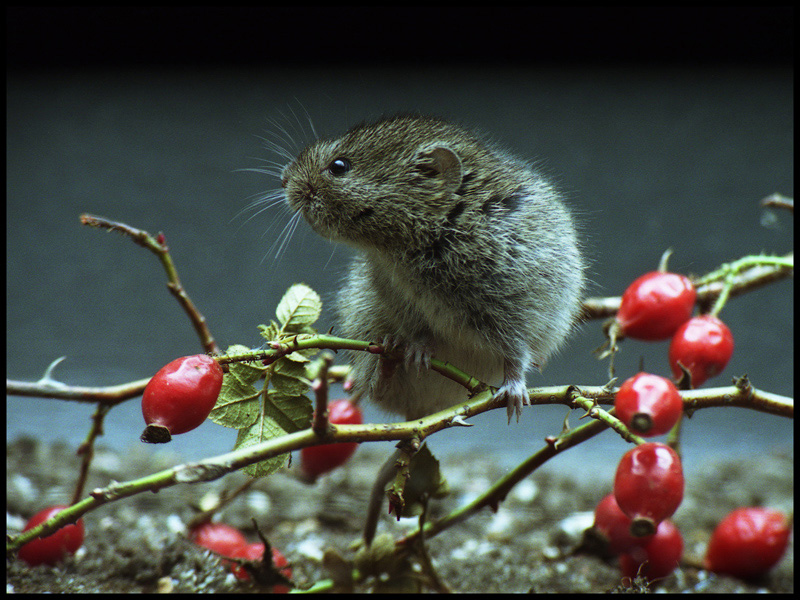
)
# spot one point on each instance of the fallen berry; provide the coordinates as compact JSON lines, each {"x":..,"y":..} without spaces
{"x":748,"y":542}
{"x":655,"y":305}
{"x":703,"y":345}
{"x":648,"y":404}
{"x":218,"y":537}
{"x":180,"y":397}
{"x":316,"y":460}
{"x":56,"y":546}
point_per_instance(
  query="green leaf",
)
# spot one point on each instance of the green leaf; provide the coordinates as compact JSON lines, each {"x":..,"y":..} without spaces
{"x":282,"y":414}
{"x":291,"y":413}
{"x":299,"y":308}
{"x":238,"y":404}
{"x":269,"y":332}
{"x":255,"y":434}
{"x":289,"y":378}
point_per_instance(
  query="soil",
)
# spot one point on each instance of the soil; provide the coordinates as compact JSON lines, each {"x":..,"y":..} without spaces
{"x":138,"y":544}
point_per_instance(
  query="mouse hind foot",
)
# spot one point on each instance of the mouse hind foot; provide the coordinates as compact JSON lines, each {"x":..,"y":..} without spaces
{"x":514,"y":389}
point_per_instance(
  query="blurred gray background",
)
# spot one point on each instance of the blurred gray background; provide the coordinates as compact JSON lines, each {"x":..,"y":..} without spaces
{"x":121,"y":115}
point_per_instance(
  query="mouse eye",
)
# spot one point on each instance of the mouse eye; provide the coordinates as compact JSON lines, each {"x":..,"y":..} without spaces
{"x":339,"y":166}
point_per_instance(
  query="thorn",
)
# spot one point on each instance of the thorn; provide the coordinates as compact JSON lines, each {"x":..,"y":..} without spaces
{"x":459,"y":420}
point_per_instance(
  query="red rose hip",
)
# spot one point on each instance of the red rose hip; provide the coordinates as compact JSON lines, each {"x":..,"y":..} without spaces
{"x":180,"y":397}
{"x":316,"y":460}
{"x":657,"y":557}
{"x":218,"y":537}
{"x":648,"y":404}
{"x":648,"y":486}
{"x":655,"y":305}
{"x":748,"y":542}
{"x":255,"y":551}
{"x":56,"y":546}
{"x":703,"y":345}
{"x":614,"y":527}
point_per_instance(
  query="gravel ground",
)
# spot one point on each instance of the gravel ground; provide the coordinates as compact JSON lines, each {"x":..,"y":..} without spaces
{"x":138,"y":544}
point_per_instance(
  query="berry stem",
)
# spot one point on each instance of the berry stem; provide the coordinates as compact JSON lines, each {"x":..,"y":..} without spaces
{"x":594,"y":411}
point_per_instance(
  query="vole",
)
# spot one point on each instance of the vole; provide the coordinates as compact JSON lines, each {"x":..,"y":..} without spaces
{"x":467,"y":255}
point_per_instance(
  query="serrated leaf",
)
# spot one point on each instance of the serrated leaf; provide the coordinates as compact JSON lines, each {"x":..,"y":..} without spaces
{"x":291,"y":413}
{"x":299,"y":308}
{"x":289,"y":378}
{"x":238,"y":404}
{"x":290,"y":369}
{"x":255,"y":434}
{"x":269,"y":332}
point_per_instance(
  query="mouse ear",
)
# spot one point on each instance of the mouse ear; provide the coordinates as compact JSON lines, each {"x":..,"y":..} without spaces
{"x":442,"y":162}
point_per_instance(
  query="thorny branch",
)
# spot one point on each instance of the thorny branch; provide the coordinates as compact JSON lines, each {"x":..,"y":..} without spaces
{"x":216,"y":467}
{"x":733,"y":279}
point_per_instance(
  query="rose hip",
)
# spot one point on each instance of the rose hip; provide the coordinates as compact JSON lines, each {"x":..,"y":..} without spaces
{"x":218,"y":537}
{"x":655,"y":305}
{"x":703,"y":345}
{"x":180,"y":397}
{"x":255,"y":551}
{"x":56,"y":546}
{"x":657,"y":557}
{"x":648,"y":486}
{"x":648,"y":404}
{"x":316,"y":460}
{"x":614,"y":527}
{"x":748,"y":542}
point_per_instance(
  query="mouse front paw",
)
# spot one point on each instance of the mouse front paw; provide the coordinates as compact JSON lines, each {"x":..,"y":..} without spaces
{"x":418,"y":354}
{"x":515,"y":394}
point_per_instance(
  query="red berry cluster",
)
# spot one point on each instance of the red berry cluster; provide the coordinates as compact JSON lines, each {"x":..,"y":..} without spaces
{"x":648,"y":486}
{"x":634,"y":520}
{"x":229,"y":541}
{"x":652,"y":556}
{"x":634,"y":524}
{"x":658,"y":306}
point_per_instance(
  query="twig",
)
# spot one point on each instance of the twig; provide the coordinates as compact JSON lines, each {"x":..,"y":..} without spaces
{"x":86,"y":449}
{"x":109,"y":396}
{"x":320,"y":387}
{"x":158,"y":246}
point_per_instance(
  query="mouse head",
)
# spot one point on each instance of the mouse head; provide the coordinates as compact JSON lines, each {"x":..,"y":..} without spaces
{"x":380,"y":185}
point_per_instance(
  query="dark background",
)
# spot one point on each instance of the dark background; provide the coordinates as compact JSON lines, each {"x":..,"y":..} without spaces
{"x":664,"y":127}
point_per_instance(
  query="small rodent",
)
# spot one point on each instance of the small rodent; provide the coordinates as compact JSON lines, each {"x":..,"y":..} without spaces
{"x":466,"y":254}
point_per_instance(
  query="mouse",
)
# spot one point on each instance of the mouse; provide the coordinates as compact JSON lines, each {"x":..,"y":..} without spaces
{"x":465,"y":253}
